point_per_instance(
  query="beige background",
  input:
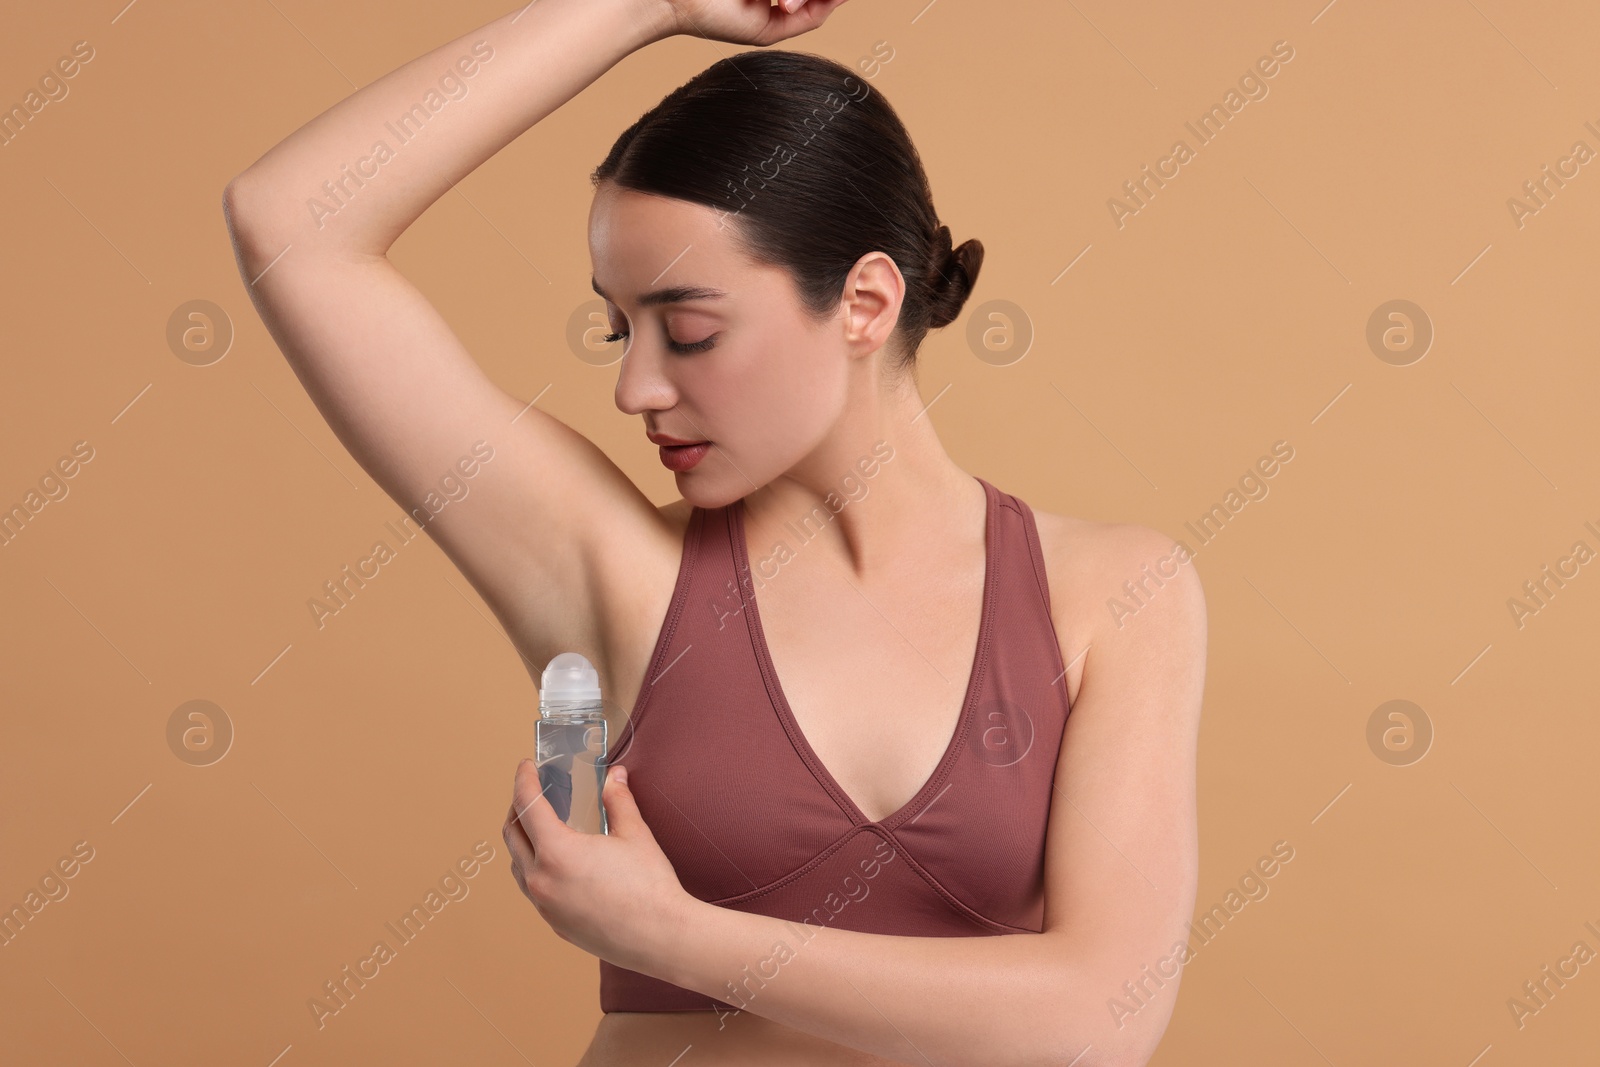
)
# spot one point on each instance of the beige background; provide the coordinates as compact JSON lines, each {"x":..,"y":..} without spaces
{"x":1230,"y":313}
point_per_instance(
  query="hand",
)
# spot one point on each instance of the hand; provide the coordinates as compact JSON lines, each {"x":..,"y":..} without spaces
{"x":613,"y":895}
{"x":754,"y":22}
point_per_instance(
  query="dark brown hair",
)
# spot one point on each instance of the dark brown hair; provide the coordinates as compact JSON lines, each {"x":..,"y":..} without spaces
{"x":813,"y":169}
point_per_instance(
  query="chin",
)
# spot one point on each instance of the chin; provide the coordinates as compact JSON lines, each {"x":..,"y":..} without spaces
{"x":713,"y":489}
{"x":703,"y":491}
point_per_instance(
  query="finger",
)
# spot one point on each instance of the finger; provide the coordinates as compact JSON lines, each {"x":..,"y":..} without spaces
{"x":530,"y":808}
{"x":522,"y":853}
{"x":622,"y":813}
{"x":522,"y":850}
{"x":799,"y":15}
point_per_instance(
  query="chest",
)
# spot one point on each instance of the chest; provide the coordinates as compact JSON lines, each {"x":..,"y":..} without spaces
{"x":875,"y":678}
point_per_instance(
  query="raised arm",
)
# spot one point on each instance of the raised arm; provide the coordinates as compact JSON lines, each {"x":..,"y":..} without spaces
{"x":312,"y":221}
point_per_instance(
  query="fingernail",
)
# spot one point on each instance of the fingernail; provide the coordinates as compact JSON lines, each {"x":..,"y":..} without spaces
{"x":622,"y":774}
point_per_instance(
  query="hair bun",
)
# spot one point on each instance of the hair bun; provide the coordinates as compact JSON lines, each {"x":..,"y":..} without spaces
{"x":955,"y":271}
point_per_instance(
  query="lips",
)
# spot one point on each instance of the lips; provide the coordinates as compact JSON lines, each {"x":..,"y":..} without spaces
{"x":672,"y":442}
{"x":683,"y":457}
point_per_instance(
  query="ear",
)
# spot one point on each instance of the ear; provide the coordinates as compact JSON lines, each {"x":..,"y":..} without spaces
{"x":871,"y":298}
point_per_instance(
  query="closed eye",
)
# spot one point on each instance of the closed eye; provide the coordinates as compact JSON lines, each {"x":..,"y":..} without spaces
{"x":676,"y":346}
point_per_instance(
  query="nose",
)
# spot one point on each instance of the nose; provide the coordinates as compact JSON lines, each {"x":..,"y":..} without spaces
{"x":641,"y":385}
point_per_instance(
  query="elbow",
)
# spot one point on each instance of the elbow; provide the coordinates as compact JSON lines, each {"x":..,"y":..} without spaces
{"x":257,"y":239}
{"x":234,"y":202}
{"x":253,"y":205}
{"x":230,"y":202}
{"x":234,"y":214}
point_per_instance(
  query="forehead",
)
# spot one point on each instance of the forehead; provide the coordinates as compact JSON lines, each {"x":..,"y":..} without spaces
{"x":639,"y":241}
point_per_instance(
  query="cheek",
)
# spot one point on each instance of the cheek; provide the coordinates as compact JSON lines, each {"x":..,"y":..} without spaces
{"x":785,"y":398}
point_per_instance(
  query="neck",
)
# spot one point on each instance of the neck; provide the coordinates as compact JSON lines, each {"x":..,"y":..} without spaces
{"x":882,"y":480}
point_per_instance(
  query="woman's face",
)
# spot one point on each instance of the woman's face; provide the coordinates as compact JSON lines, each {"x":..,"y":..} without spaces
{"x":717,"y":347}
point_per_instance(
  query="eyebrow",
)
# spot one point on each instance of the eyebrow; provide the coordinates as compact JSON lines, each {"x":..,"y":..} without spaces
{"x":676,"y":294}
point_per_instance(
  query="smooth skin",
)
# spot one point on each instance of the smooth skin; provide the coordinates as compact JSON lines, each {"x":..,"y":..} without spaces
{"x":872,"y":625}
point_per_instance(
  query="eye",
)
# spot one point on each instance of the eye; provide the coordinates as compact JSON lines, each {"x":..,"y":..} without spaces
{"x":676,"y":346}
{"x":695,"y":346}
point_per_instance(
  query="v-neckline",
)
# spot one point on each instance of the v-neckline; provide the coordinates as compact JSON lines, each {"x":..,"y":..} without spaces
{"x":781,"y":701}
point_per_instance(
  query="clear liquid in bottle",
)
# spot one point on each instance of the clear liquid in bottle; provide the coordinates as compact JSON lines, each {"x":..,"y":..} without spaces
{"x":570,"y":742}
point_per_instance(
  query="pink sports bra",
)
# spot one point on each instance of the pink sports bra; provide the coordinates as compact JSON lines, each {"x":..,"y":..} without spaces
{"x":752,"y":820}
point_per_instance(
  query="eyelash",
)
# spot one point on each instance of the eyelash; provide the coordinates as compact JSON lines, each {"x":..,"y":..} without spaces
{"x":697,"y":346}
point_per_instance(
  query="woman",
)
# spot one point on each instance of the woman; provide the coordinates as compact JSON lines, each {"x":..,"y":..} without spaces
{"x":800,"y":871}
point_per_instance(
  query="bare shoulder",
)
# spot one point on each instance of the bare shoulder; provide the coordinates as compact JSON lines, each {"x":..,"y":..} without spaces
{"x":1105,"y":575}
{"x":1084,"y":549}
